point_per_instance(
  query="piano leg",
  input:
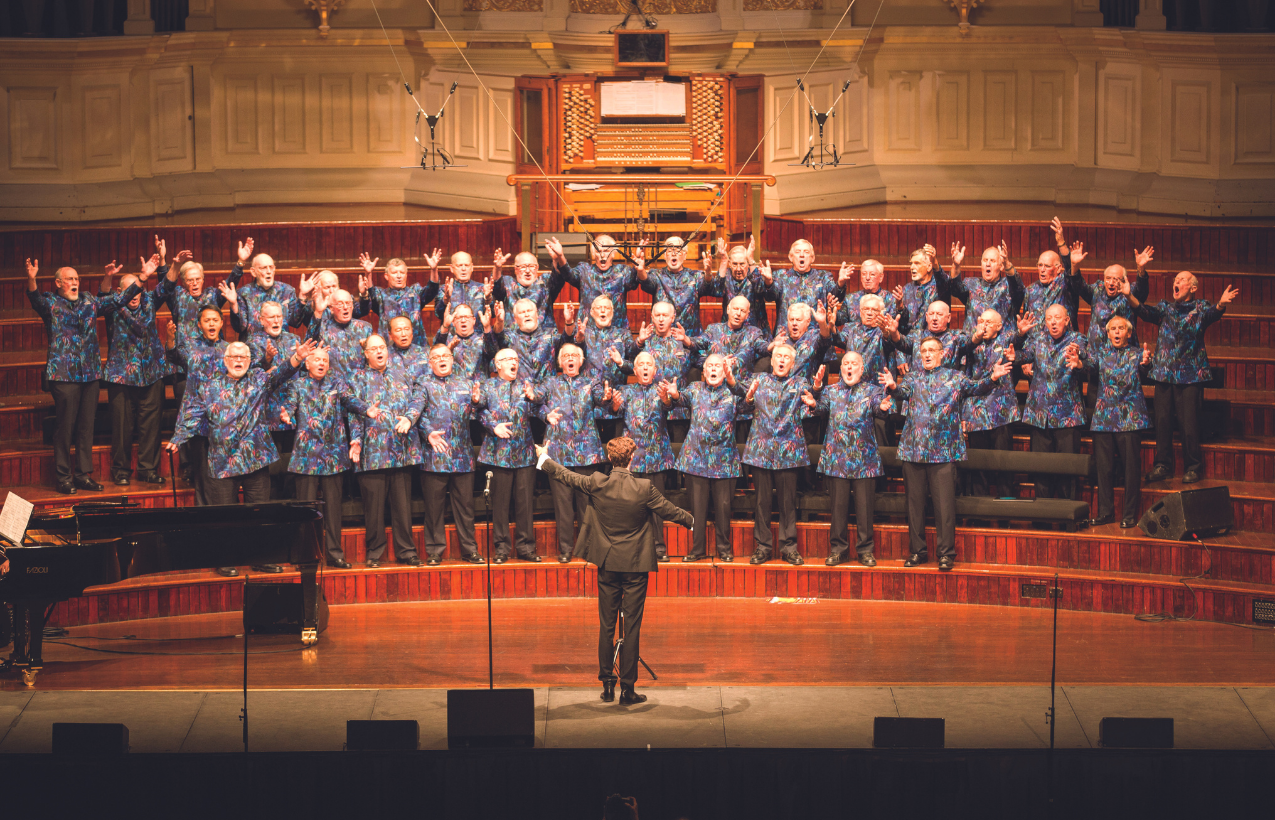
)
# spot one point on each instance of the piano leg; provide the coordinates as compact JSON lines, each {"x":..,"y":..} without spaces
{"x":309,"y":604}
{"x":28,"y":639}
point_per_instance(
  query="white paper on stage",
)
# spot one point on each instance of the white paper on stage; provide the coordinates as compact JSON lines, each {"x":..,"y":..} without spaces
{"x":14,"y":518}
{"x":640,"y":98}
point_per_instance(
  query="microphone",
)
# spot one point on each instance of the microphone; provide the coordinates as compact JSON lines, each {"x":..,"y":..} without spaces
{"x":487,"y":489}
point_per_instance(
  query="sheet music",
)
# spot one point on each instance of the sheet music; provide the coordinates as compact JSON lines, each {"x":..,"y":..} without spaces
{"x":640,"y":98}
{"x":14,"y":518}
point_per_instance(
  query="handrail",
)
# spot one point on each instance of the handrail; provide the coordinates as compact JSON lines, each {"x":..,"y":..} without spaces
{"x":644,"y":179}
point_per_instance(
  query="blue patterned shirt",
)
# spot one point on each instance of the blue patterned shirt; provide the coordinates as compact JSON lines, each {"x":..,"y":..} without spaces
{"x":1120,"y":406}
{"x":544,"y":291}
{"x":645,"y":422}
{"x":285,"y":343}
{"x":71,"y":326}
{"x":345,"y":343}
{"x":681,"y":289}
{"x":537,"y":350}
{"x":1005,"y":296}
{"x":792,"y":286}
{"x":746,"y":345}
{"x":231,"y":410}
{"x":932,"y":432}
{"x":408,"y":364}
{"x":573,"y":441}
{"x":776,"y":440}
{"x":501,"y":402}
{"x":850,"y":445}
{"x":1054,"y":400}
{"x":850,"y":309}
{"x":1103,"y":307}
{"x":447,"y":406}
{"x":709,"y":450}
{"x":614,"y":282}
{"x":382,"y":448}
{"x":867,"y":342}
{"x":999,"y":407}
{"x":201,"y":360}
{"x":1180,"y":356}
{"x":185,"y":309}
{"x":471,"y":353}
{"x":318,"y":408}
{"x":135,"y":354}
{"x":1065,"y":290}
{"x":917,"y":299}
{"x":463,"y":293}
{"x":252,"y":296}
{"x":753,"y":288}
{"x":390,"y":303}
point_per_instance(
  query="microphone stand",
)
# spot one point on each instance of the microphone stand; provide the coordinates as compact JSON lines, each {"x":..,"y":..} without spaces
{"x":491,"y":657}
{"x":1056,"y":593}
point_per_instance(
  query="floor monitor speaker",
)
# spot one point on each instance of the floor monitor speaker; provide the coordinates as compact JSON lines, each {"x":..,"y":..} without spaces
{"x":491,"y":718}
{"x":1189,"y":514}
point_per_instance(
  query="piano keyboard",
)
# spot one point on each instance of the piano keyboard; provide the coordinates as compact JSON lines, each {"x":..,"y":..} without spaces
{"x":643,"y":144}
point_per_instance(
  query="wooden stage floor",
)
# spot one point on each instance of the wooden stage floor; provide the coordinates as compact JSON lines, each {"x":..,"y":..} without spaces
{"x":689,"y":642}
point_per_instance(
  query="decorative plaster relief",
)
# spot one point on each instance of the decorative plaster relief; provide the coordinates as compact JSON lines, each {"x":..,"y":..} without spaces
{"x":172,"y":107}
{"x":336,"y":113}
{"x":33,"y":128}
{"x":1047,"y":111}
{"x":384,"y":114}
{"x":101,"y":127}
{"x":243,"y":130}
{"x":1000,"y":110}
{"x":1254,"y":122}
{"x":289,"y":114}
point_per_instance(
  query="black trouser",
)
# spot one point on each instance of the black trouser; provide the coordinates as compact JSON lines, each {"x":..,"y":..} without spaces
{"x":461,"y":487}
{"x":331,"y":488}
{"x":785,"y":482}
{"x":74,"y":407}
{"x":134,"y":407}
{"x":865,"y":496}
{"x":1056,"y":440}
{"x":721,"y":490}
{"x":1182,"y":400}
{"x":256,"y":488}
{"x":1129,"y":445}
{"x":659,"y":482}
{"x":620,"y":591}
{"x":989,"y":482}
{"x":516,"y":485}
{"x":377,"y":486}
{"x":197,"y":455}
{"x":938,"y":481}
{"x":569,"y":505}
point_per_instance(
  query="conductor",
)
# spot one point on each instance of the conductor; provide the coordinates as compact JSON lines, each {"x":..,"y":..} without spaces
{"x":617,"y":536}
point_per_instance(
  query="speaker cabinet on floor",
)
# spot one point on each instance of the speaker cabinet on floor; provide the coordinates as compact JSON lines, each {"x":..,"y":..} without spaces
{"x":491,"y":718}
{"x":382,"y":735}
{"x":908,"y":733}
{"x":1135,"y":733}
{"x":278,"y":608}
{"x":1183,"y":515}
{"x":90,"y":739}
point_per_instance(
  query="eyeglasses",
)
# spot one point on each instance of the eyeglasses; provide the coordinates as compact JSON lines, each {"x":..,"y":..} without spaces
{"x":238,"y":358}
{"x":526,"y":267}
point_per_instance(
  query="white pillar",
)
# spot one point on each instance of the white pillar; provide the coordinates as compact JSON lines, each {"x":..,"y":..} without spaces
{"x":199,"y":15}
{"x":1151,"y":16}
{"x":139,"y":18}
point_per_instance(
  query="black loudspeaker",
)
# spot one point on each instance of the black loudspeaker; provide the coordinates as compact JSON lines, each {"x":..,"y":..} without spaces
{"x":1183,"y":515}
{"x":382,"y":735}
{"x":908,"y":733}
{"x":278,"y":608}
{"x":1135,"y":733}
{"x":490,"y":718}
{"x":90,"y":739}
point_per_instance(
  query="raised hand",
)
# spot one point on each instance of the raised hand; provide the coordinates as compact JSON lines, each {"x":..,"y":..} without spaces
{"x":1072,"y":356}
{"x":886,"y":380}
{"x":498,"y":313}
{"x":903,"y":368}
{"x":1057,"y":227}
{"x":1078,"y":254}
{"x":607,"y":393}
{"x":554,"y":247}
{"x":1143,"y":259}
{"x":33,"y":267}
{"x":110,"y":269}
{"x":476,"y":393}
{"x":447,"y":291}
{"x":365,"y":284}
{"x":484,"y":316}
{"x":569,"y":311}
{"x":821,"y":313}
{"x":898,"y":292}
{"x":614,"y":355}
{"x":930,"y":251}
{"x":368,"y":263}
{"x":834,"y":306}
{"x":505,"y":430}
{"x":817,"y":381}
{"x":958,"y":253}
{"x":1025,"y":323}
{"x":303,"y":351}
{"x":489,"y":287}
{"x":1009,"y":355}
{"x":553,"y":417}
{"x":499,"y":259}
{"x":529,"y":391}
{"x":679,"y":333}
{"x":722,"y":246}
{"x":228,"y":292}
{"x":245,"y":250}
{"x":438,"y":441}
{"x":668,"y":391}
{"x":1146,"y":354}
{"x":1003,"y":250}
{"x":434,"y":258}
{"x":644,"y":333}
{"x":447,"y":318}
{"x":271,"y":352}
{"x":846,"y":275}
{"x":752,"y":390}
{"x":355,"y":449}
{"x":1001,"y":369}
{"x":321,"y":301}
{"x":182,"y":257}
{"x":1125,"y":287}
{"x":767,"y":274}
{"x":170,"y":334}
{"x":752,"y":245}
{"x":1228,"y":296}
{"x":306,"y":286}
{"x":149,"y":266}
{"x":808,"y":399}
{"x":639,"y":255}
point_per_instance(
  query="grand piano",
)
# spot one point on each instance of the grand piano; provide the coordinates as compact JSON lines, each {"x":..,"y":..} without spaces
{"x":98,"y":543}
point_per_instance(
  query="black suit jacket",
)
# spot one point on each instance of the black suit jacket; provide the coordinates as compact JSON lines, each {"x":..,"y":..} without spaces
{"x":617,"y":534}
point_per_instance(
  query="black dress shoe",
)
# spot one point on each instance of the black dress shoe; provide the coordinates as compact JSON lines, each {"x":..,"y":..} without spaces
{"x":794,"y":559}
{"x":414,"y":561}
{"x":1159,"y":473}
{"x":473,"y":558}
{"x":500,"y":559}
{"x":663,"y":559}
{"x":564,"y":559}
{"x":628,"y":697}
{"x":229,"y":572}
{"x":833,"y":560}
{"x":65,"y":487}
{"x":759,"y":558}
{"x":150,"y":478}
{"x":433,"y":562}
{"x":373,"y":563}
{"x":535,"y":559}
{"x":686,"y":559}
{"x":121,"y":481}
{"x":270,"y":568}
{"x":868,"y":559}
{"x":1100,"y":520}
{"x":728,"y":558}
{"x":608,"y":691}
{"x":89,"y":484}
{"x":914,"y":559}
{"x":946,"y":564}
{"x":1190,"y":477}
{"x":340,"y":563}
{"x":1128,"y":523}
